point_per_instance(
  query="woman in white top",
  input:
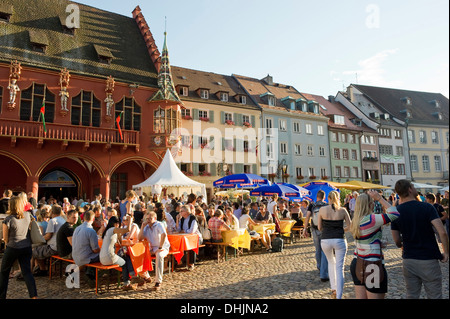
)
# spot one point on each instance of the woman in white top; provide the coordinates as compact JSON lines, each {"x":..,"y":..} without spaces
{"x":232,"y":220}
{"x":134,"y":232}
{"x":112,"y":235}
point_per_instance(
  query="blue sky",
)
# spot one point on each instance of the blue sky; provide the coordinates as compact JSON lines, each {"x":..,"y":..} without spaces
{"x":318,"y":47}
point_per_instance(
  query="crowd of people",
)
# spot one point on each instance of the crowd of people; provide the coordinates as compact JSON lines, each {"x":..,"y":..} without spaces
{"x":73,"y":227}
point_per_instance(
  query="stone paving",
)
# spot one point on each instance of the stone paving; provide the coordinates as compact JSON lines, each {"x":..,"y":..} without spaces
{"x":291,"y":274}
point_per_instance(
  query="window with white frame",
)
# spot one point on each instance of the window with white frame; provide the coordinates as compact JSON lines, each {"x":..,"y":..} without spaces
{"x":282,"y":125}
{"x":298,"y":149}
{"x":298,"y":171}
{"x":271,"y":100}
{"x":343,"y":137}
{"x":228,"y":117}
{"x":296,"y":127}
{"x":242,"y":99}
{"x":426,"y":163}
{"x":386,"y":150}
{"x":323,"y":172}
{"x":399,"y":150}
{"x":311,"y":171}
{"x":269,"y":149}
{"x":423,"y":137}
{"x":246,"y":119}
{"x":337,"y":171}
{"x":269,"y":125}
{"x":337,"y":153}
{"x":224,"y":97}
{"x":339,"y":119}
{"x":184,"y":91}
{"x":321,"y":151}
{"x":437,"y":163}
{"x":204,"y":94}
{"x":334,"y":137}
{"x":351,"y":138}
{"x":308,"y":128}
{"x":401,"y":169}
{"x":414,"y":163}
{"x":434,"y":137}
{"x":355,"y":172}
{"x":411,"y":136}
{"x":354,"y":155}
{"x":397,"y":134}
{"x":185,"y":112}
{"x":310,"y":150}
{"x":345,"y":154}
{"x":320,"y":130}
{"x":447,"y":137}
{"x":346,"y":171}
{"x":203,"y":114}
{"x":283,"y":148}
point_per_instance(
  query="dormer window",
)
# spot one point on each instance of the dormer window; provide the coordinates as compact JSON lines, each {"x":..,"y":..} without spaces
{"x":375,"y":115}
{"x":438,"y":115}
{"x":183,"y":90}
{"x":223,"y":96}
{"x":289,"y":102}
{"x":241,"y":98}
{"x":103,"y":53}
{"x":6,"y":11}
{"x":357,"y":122}
{"x":66,"y":29}
{"x":204,"y":93}
{"x":436,"y":104}
{"x":313,"y":107}
{"x":339,"y":119}
{"x":407,"y":100}
{"x":38,"y":40}
{"x":269,"y":97}
{"x":407,"y":113}
{"x":301,"y":105}
{"x":385,"y":116}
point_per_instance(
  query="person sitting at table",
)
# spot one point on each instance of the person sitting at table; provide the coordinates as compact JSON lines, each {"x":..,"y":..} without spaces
{"x":111,"y":236}
{"x":134,"y":232}
{"x":231,"y":219}
{"x":247,"y":222}
{"x":211,"y":210}
{"x":187,"y":223}
{"x":109,"y":213}
{"x":159,"y":245}
{"x":216,"y":224}
{"x":65,"y":234}
{"x":85,"y":248}
{"x":283,"y":213}
{"x":138,"y":214}
{"x":99,"y":218}
{"x":264,"y":217}
{"x":253,"y":210}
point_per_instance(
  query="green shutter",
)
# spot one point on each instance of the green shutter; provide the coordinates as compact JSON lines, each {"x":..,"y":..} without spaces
{"x":195,"y":169}
{"x":212,"y":169}
{"x":222,"y":117}
{"x":252,"y":119}
{"x":194,"y":141}
{"x":195,"y":114}
{"x":237,"y":119}
{"x":211,"y":116}
{"x":254,"y":169}
{"x":239,"y":168}
{"x":211,"y":142}
{"x":223,"y":143}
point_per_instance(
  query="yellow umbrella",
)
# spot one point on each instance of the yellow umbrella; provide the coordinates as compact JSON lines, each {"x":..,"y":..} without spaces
{"x":336,"y":184}
{"x":365,"y":185}
{"x":240,"y":192}
{"x":222,"y":193}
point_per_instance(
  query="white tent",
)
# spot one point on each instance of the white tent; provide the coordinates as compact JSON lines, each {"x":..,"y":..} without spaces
{"x":425,"y":186}
{"x":169,"y":176}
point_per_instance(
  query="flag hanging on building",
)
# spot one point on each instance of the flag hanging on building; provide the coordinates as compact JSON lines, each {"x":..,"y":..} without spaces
{"x":118,"y":125}
{"x":43,"y":115}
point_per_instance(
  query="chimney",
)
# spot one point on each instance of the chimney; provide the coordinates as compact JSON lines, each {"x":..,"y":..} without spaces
{"x":331,"y":98}
{"x":268,"y":79}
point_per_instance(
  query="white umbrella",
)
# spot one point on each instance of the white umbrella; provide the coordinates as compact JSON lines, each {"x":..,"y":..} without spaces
{"x":419,"y":185}
{"x":445,"y":189}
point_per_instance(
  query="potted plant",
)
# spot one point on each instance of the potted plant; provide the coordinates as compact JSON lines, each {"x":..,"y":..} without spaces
{"x":272,"y":175}
{"x":247,"y":124}
{"x":300,"y":177}
{"x":286,"y":175}
{"x":312,"y":177}
{"x":204,"y":119}
{"x":324,"y":177}
{"x":229,"y":122}
{"x":187,"y":117}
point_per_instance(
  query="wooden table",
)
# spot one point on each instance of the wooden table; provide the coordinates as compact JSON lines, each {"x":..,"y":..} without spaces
{"x":239,"y":238}
{"x":181,"y":241}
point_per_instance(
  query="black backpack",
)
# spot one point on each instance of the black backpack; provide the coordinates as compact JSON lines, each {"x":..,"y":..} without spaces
{"x":277,"y":244}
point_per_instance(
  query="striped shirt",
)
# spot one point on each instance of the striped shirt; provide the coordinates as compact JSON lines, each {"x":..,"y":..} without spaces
{"x":215,"y":224}
{"x":368,"y":245}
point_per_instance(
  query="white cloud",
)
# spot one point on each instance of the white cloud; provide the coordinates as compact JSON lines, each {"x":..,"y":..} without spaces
{"x":371,"y":71}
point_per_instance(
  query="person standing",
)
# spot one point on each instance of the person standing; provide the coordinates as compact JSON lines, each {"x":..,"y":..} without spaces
{"x":159,"y":245}
{"x":367,"y":230}
{"x":126,"y":206}
{"x":4,"y":201}
{"x":333,"y":242}
{"x":313,"y":213}
{"x":18,"y":247}
{"x":413,"y":231}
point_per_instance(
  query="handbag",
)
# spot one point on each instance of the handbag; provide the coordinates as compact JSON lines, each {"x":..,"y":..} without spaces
{"x":35,"y":234}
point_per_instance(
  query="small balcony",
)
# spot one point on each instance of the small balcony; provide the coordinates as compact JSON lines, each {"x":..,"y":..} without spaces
{"x":66,"y":134}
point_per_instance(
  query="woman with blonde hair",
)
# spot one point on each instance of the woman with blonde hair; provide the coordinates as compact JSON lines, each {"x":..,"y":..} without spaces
{"x":366,"y":228}
{"x":18,"y":246}
{"x":334,"y":245}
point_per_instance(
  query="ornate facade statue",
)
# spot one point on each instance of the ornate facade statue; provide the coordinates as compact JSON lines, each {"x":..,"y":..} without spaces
{"x":64,"y":78}
{"x":14,"y":75}
{"x":109,"y":100}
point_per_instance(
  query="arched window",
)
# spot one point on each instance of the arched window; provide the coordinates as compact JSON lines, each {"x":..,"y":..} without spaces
{"x":31,"y":102}
{"x":131,"y":117}
{"x":86,"y":109}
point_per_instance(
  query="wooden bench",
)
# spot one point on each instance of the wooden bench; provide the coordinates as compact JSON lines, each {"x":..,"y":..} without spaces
{"x":98,"y":266}
{"x":298,"y":230}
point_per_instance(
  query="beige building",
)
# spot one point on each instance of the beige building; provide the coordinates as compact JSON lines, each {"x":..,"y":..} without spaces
{"x":220,"y":126}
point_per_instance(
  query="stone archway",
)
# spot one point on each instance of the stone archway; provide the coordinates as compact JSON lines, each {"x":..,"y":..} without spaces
{"x":14,"y":173}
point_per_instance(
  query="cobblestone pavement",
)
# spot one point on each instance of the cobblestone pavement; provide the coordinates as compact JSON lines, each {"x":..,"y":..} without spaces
{"x":291,"y":274}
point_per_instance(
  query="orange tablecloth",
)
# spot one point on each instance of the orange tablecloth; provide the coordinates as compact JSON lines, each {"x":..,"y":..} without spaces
{"x":182,"y":242}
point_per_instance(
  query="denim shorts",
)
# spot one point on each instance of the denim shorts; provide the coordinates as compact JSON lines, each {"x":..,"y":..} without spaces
{"x":383,"y":285}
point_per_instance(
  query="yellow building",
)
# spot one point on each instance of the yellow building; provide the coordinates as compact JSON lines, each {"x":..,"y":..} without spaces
{"x":220,"y":126}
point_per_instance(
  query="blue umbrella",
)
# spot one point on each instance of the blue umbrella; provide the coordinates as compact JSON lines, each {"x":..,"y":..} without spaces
{"x":280,"y":190}
{"x":314,"y":187}
{"x":240,"y":181}
{"x":303,"y":191}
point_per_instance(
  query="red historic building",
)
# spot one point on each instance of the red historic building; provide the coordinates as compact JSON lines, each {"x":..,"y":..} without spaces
{"x":86,"y":75}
